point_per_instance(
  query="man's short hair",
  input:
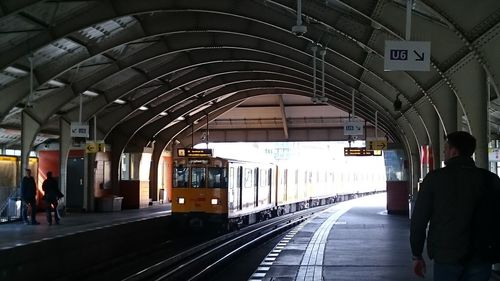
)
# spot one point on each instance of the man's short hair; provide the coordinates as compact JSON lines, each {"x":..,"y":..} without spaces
{"x":464,"y":142}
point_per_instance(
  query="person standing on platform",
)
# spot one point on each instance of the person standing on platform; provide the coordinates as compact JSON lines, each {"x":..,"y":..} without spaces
{"x":28,"y":196}
{"x":449,"y":200}
{"x":52,"y":195}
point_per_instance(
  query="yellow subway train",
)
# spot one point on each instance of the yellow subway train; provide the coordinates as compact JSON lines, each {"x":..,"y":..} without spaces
{"x":227,"y":193}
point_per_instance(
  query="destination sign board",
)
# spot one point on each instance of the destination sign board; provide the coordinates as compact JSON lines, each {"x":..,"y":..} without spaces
{"x":361,"y":151}
{"x":191,"y":152}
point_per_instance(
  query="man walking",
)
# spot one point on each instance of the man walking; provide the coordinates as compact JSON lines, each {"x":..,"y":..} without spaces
{"x":449,"y":200}
{"x":28,"y":196}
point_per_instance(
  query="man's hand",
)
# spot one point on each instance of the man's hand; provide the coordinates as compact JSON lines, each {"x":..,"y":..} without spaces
{"x":419,"y":267}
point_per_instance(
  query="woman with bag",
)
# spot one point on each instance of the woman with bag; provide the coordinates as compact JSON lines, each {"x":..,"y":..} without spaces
{"x":52,"y":195}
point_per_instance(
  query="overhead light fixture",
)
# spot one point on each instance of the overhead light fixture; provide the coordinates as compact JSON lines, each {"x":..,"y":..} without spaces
{"x":56,"y":83}
{"x":397,"y":103}
{"x":143,"y":108}
{"x":15,"y":71}
{"x":180,"y":118}
{"x":163,"y":113}
{"x":90,"y":93}
{"x":120,"y":101}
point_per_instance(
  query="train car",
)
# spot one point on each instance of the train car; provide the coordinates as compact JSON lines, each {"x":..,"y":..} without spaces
{"x":226,"y":193}
{"x":220,"y":192}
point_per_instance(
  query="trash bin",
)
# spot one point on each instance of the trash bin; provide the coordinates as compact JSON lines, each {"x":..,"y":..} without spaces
{"x":117,"y":203}
{"x":161,"y":194}
{"x":14,"y":208}
{"x":109,"y":203}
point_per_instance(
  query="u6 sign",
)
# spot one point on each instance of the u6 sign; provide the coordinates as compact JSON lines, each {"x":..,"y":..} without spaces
{"x":407,"y":55}
{"x":353,"y":128}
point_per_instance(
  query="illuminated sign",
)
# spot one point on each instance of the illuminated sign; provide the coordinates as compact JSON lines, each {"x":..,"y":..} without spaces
{"x":198,"y":161}
{"x":95,"y":146}
{"x":191,"y":152}
{"x":376,"y":144}
{"x":361,"y":151}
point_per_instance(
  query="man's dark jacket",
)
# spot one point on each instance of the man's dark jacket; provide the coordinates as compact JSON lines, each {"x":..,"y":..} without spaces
{"x":448,"y":199}
{"x":28,"y":189}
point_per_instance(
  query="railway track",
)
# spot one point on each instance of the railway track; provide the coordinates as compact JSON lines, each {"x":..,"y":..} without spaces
{"x":204,"y":260}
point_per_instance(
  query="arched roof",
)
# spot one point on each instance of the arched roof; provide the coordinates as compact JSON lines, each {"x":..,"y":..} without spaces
{"x":140,"y":65}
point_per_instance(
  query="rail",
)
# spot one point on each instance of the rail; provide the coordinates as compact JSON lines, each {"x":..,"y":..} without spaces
{"x":199,"y":261}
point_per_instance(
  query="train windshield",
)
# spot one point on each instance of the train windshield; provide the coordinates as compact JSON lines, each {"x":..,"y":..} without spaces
{"x":217,"y":177}
{"x":181,"y":176}
{"x":198,"y":177}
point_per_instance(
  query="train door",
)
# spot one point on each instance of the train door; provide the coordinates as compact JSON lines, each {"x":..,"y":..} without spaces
{"x":269,"y":184}
{"x":256,"y":185}
{"x":74,"y":183}
{"x":239,"y":186}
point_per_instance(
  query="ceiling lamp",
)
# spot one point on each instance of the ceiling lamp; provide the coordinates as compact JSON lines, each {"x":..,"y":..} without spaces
{"x":90,"y":93}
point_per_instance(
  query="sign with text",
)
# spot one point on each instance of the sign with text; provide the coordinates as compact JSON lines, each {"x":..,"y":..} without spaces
{"x":191,"y":152}
{"x":407,"y":55}
{"x":353,"y":128}
{"x":79,"y":130}
{"x":361,"y":151}
{"x":95,"y":146}
{"x":494,"y":154}
{"x":379,"y":144}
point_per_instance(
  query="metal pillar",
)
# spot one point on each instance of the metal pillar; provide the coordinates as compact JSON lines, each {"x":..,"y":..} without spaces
{"x":64,"y":147}
{"x":480,"y":126}
{"x":29,"y":131}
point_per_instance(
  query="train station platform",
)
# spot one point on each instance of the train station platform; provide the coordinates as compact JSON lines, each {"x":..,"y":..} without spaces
{"x":354,"y":240}
{"x":78,"y":243}
{"x":16,"y":233}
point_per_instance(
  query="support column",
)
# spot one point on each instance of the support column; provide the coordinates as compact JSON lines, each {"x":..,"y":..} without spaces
{"x":64,"y":147}
{"x":435,"y":142}
{"x":480,"y":126}
{"x":29,"y":131}
{"x":88,"y":182}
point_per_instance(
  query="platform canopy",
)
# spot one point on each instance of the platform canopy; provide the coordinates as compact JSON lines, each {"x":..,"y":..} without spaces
{"x":149,"y":70}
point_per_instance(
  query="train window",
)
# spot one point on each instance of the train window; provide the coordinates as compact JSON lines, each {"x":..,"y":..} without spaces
{"x":239,"y":177}
{"x":263,"y":177}
{"x":269,"y":176}
{"x":231,"y":177}
{"x":217,"y":177}
{"x":198,"y":177}
{"x":248,"y":178}
{"x":181,"y":176}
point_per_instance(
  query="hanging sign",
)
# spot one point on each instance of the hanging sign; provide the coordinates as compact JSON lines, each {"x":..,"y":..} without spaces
{"x":494,"y":154}
{"x":353,"y":128}
{"x":376,"y":144}
{"x":79,"y":130}
{"x":192,"y":152}
{"x":407,"y":55}
{"x":95,"y":146}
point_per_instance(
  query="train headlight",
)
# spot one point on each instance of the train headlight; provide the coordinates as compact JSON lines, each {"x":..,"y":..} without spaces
{"x":215,"y":201}
{"x":180,"y":200}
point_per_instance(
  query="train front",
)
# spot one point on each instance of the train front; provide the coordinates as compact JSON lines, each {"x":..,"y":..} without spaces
{"x":199,"y":193}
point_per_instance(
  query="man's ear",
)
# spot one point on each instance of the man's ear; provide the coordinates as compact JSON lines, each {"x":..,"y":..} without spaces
{"x":454,"y":152}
